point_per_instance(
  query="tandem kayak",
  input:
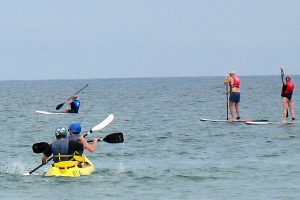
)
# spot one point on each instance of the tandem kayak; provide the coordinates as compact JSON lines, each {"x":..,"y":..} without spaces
{"x":80,"y":166}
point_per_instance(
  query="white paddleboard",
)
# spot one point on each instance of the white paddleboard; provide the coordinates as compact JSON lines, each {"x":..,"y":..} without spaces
{"x":213,"y":120}
{"x":241,"y":120}
{"x":51,"y":113}
{"x":265,"y":123}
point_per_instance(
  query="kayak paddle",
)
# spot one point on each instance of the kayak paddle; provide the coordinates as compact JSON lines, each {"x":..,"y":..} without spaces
{"x":116,"y":137}
{"x":98,"y":127}
{"x":112,"y":138}
{"x":61,"y":105}
{"x":39,"y":147}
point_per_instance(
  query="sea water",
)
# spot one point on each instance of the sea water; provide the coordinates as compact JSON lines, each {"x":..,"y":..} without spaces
{"x":168,"y":153}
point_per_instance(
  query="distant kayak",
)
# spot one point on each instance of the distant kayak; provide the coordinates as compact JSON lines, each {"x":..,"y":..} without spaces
{"x":52,"y":113}
{"x":81,"y":166}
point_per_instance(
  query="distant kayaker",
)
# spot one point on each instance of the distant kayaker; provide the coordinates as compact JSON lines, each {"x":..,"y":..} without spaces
{"x":74,"y":135}
{"x":287,"y":93}
{"x":74,"y":105}
{"x":234,"y":98}
{"x":62,"y":148}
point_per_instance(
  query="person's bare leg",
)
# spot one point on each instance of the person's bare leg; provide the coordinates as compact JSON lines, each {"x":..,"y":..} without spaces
{"x":231,"y":108}
{"x":237,"y":108}
{"x":284,"y":109}
{"x":292,"y":109}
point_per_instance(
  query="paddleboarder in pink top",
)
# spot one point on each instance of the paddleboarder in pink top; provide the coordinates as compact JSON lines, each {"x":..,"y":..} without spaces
{"x":234,"y":98}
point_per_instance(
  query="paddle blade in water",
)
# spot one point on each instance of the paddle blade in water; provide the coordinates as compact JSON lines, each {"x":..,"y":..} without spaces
{"x":114,"y":138}
{"x":39,"y":147}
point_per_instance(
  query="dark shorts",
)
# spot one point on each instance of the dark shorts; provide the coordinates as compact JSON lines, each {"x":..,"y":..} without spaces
{"x":235,"y":97}
{"x":288,"y":95}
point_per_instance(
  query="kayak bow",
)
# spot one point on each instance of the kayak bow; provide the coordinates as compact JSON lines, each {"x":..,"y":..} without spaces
{"x":81,"y":166}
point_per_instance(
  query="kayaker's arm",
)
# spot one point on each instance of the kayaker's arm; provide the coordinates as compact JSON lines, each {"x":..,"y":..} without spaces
{"x":87,"y":146}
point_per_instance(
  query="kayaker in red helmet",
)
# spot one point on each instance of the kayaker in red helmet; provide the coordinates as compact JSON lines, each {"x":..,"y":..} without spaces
{"x":287,"y":94}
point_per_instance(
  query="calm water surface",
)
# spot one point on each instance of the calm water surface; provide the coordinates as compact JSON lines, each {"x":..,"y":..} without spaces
{"x":167,"y":154}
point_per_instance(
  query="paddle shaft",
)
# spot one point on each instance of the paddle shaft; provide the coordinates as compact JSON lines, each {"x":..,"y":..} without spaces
{"x":78,"y":92}
{"x":226,"y":101}
{"x":282,"y":79}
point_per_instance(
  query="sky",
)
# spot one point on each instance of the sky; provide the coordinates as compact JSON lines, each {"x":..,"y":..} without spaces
{"x":96,"y":39}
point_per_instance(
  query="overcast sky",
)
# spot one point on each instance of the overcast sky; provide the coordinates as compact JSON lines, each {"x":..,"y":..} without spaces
{"x":82,"y":39}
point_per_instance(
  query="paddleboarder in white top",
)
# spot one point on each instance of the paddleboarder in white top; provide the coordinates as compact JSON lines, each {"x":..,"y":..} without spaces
{"x":234,"y":98}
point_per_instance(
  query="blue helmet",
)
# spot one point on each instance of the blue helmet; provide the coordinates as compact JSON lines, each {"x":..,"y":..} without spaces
{"x":75,"y":127}
{"x":61,"y":132}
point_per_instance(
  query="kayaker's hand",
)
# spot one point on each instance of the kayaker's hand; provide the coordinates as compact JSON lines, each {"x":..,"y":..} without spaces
{"x":44,"y":162}
{"x":95,"y":140}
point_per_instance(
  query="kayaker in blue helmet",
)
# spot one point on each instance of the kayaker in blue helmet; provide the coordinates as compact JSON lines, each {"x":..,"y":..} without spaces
{"x":74,"y":105}
{"x":62,"y":149}
{"x":74,"y":135}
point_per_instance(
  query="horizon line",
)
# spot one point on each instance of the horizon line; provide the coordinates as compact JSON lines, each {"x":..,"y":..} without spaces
{"x":150,"y":77}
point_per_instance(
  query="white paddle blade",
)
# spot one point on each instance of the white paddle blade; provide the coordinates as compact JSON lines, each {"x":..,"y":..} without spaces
{"x":104,"y":123}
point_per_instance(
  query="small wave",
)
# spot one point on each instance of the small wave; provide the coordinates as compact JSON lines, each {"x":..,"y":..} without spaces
{"x":14,"y":168}
{"x":122,"y":168}
{"x":274,"y":154}
{"x":197,"y":178}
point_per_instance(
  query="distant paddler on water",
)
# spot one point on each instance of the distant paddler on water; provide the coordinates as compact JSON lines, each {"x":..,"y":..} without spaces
{"x":287,"y":93}
{"x":74,"y":103}
{"x":234,"y":94}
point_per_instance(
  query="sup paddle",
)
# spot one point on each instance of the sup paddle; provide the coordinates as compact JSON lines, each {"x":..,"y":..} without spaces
{"x":111,"y":138}
{"x":98,"y":127}
{"x":61,"y":105}
{"x":227,"y":101}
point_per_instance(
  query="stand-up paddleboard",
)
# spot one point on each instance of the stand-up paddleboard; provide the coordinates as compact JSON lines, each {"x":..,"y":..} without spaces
{"x":266,"y":123}
{"x":213,"y":120}
{"x":240,"y":120}
{"x":51,"y":113}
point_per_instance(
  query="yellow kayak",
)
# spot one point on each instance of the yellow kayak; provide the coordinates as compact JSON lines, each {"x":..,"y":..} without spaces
{"x":80,"y":166}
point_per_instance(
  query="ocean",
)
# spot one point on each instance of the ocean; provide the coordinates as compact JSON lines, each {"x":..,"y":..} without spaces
{"x":168,"y":153}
